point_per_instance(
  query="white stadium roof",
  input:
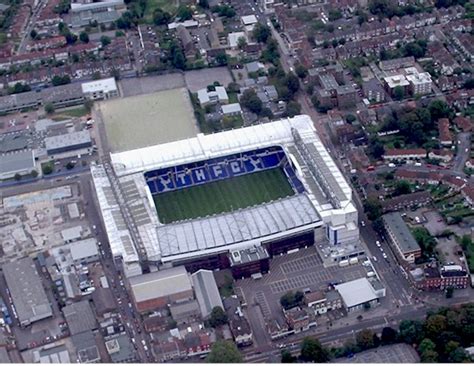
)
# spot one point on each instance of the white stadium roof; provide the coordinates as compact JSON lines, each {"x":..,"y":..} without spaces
{"x":327,"y":198}
{"x":210,"y":234}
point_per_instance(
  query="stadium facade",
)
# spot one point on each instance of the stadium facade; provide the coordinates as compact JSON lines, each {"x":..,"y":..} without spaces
{"x":320,"y":208}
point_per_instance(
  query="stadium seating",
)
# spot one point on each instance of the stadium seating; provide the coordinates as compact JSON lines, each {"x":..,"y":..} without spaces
{"x":188,"y":175}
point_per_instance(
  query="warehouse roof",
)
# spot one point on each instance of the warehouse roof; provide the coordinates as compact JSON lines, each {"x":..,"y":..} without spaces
{"x":83,"y":249}
{"x":356,"y":292}
{"x":16,"y":162}
{"x":161,"y":283}
{"x":399,"y":228}
{"x":206,"y":290}
{"x":79,"y":317}
{"x":27,"y":292}
{"x":68,"y":140}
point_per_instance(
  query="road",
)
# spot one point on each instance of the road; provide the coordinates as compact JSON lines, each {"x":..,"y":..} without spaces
{"x":30,"y":26}
{"x":463,"y":152}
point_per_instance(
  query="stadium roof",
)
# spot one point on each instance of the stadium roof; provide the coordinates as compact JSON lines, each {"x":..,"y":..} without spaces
{"x":208,"y":234}
{"x":102,"y":85}
{"x":17,"y":162}
{"x":26,"y":290}
{"x":207,"y":293}
{"x":159,"y":284}
{"x":399,"y":228}
{"x":356,"y":292}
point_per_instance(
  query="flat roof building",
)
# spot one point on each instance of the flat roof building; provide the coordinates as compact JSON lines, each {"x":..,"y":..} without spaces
{"x":68,"y":142}
{"x":84,"y":251}
{"x":63,"y":95}
{"x":401,"y":237}
{"x":22,"y":163}
{"x":26,"y":290}
{"x":100,"y":89}
{"x":156,"y":290}
{"x":207,"y":293}
{"x":79,"y":317}
{"x":357,"y":293}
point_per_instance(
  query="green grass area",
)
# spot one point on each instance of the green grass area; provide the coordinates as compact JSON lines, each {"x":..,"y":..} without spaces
{"x":222,"y":196}
{"x":169,"y":6}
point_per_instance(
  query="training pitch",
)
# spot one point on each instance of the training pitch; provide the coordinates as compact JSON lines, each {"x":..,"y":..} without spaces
{"x":222,"y":196}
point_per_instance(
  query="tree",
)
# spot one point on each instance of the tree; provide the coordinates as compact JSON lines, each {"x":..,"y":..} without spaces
{"x":376,"y":148}
{"x":241,"y":43}
{"x":389,"y":335}
{"x":105,"y":41}
{"x":378,"y":225}
{"x":224,"y":352}
{"x":221,"y":58}
{"x":19,"y":88}
{"x":449,"y":292}
{"x":224,"y":10}
{"x":366,"y":339}
{"x":435,"y":324}
{"x":34,"y":173}
{"x":439,"y":109}
{"x":33,"y":34}
{"x":161,"y":17}
{"x":293,"y":108}
{"x":47,"y":168}
{"x":292,"y":83}
{"x":251,"y":101}
{"x":429,"y":357}
{"x":291,"y":299}
{"x":218,"y":317}
{"x":287,"y":357}
{"x":84,"y":37}
{"x":17,"y":177}
{"x":373,"y":208}
{"x":398,"y":92}
{"x":301,"y":71}
{"x":49,"y":108}
{"x":401,"y":187}
{"x":350,"y":118}
{"x":426,"y":345}
{"x":261,"y":33}
{"x":204,"y":4}
{"x":60,"y":80}
{"x":313,"y":351}
{"x":184,"y":13}
{"x":411,"y":331}
{"x":88,"y":104}
{"x":70,"y":165}
{"x":469,"y":84}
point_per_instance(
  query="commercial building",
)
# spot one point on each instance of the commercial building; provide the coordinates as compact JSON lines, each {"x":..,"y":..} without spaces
{"x":432,"y":277}
{"x":86,"y":347}
{"x":249,"y":261}
{"x":185,"y":312}
{"x":84,"y":251}
{"x":207,"y":293}
{"x":322,"y":302}
{"x":103,"y":12}
{"x":26,"y":291}
{"x":373,"y":90}
{"x":156,"y":290}
{"x":79,"y":317}
{"x":359,"y":294}
{"x":121,"y":349}
{"x":63,"y":95}
{"x":401,"y":238}
{"x":100,"y":89}
{"x":68,"y":142}
{"x":22,"y":162}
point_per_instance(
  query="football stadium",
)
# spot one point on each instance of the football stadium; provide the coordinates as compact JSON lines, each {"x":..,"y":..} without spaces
{"x":199,"y":202}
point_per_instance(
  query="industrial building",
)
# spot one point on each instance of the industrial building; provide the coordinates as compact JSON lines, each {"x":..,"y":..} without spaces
{"x":156,"y":290}
{"x":27,"y":292}
{"x":22,"y":162}
{"x":80,"y":317}
{"x":207,"y":293}
{"x":359,"y":293}
{"x":68,"y":142}
{"x":401,"y":238}
{"x":84,"y":251}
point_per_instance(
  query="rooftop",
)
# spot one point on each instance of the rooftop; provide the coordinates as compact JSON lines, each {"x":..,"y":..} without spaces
{"x":68,"y":140}
{"x":206,"y":291}
{"x":399,"y":228}
{"x":356,"y":292}
{"x":16,"y":162}
{"x":396,"y":80}
{"x":83,"y":249}
{"x":26,"y":289}
{"x":103,"y":85}
{"x":159,"y":284}
{"x":79,"y":317}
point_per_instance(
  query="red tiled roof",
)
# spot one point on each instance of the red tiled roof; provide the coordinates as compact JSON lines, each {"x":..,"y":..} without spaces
{"x":443,"y":128}
{"x":401,"y":152}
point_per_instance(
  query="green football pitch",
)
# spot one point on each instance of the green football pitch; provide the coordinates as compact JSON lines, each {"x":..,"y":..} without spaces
{"x":222,"y":196}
